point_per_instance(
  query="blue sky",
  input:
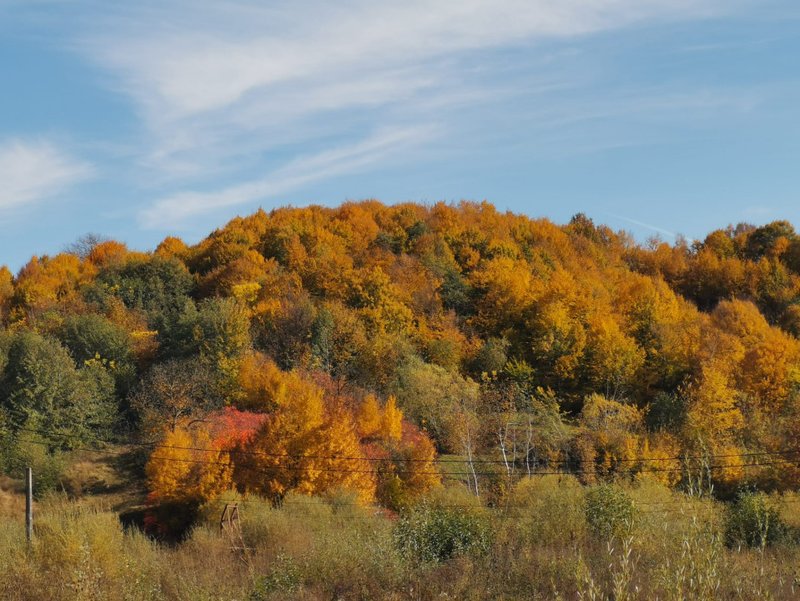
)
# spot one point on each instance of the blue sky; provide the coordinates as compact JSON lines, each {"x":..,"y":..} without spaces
{"x":144,"y":119}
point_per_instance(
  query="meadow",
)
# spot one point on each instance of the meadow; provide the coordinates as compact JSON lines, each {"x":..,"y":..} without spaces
{"x":552,"y":539}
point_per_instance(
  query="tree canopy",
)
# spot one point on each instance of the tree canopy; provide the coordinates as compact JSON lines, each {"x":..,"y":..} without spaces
{"x":371,"y":335}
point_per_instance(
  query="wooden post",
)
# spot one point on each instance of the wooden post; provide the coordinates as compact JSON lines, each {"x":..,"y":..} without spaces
{"x":29,"y":504}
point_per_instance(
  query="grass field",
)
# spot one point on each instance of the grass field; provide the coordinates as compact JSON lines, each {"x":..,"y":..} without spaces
{"x":552,"y":539}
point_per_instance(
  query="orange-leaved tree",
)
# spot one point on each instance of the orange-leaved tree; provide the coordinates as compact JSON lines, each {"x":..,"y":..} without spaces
{"x":302,"y":445}
{"x":187,"y":467}
{"x":193,"y":464}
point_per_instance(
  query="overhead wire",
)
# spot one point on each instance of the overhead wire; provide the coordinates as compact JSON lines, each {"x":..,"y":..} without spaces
{"x":504,"y":511}
{"x":246,"y":452}
{"x":270,"y":469}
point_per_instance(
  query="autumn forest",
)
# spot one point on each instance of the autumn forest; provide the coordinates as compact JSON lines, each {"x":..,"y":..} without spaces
{"x":464,"y":401}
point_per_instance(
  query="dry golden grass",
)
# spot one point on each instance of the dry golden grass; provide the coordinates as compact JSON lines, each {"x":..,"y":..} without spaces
{"x":318,"y":549}
{"x":12,"y":499}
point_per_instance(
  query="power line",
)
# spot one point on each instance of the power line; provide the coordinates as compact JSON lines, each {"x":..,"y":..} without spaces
{"x":153,"y":445}
{"x":406,"y":460}
{"x":676,"y":505}
{"x":270,"y":469}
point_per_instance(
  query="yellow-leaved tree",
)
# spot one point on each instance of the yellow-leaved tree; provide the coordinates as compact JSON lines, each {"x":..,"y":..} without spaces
{"x":409,"y":470}
{"x":336,"y":461}
{"x":271,"y":463}
{"x":369,"y":417}
{"x":187,"y":467}
{"x":391,"y":428}
{"x":302,"y":445}
{"x":6,"y":291}
{"x":609,"y":440}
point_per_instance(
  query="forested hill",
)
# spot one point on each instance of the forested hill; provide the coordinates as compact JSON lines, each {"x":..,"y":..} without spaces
{"x":390,"y":331}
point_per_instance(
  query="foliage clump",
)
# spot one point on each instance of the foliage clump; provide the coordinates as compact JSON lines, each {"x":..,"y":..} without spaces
{"x":610,"y":511}
{"x":754,"y":521}
{"x":434,"y":530}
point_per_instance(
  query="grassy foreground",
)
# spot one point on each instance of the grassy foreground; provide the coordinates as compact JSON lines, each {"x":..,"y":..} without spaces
{"x":555,"y":539}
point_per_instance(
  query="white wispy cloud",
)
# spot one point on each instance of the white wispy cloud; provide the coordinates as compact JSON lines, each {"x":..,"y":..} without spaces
{"x":225,"y":87}
{"x":165,"y":213}
{"x":759,"y":212}
{"x":31,"y":171}
{"x":215,"y":81}
{"x":647,"y":226}
{"x":181,"y":65}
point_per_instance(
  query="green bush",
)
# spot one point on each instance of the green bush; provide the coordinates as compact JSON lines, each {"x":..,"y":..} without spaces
{"x":753,"y":521}
{"x":609,"y":510}
{"x":433,"y":533}
{"x":48,"y":466}
{"x":284,"y":577}
{"x":41,"y":389}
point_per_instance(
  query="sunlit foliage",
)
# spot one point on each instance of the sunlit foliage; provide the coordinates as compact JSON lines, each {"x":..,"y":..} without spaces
{"x":368,"y":337}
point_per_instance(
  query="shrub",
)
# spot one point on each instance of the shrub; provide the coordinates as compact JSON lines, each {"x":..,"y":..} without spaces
{"x":609,"y":510}
{"x":534,"y":502}
{"x":753,"y":521}
{"x":433,"y":532}
{"x":283,"y":577}
{"x":48,"y":467}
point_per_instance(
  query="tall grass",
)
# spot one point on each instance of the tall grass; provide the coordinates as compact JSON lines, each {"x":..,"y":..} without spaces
{"x":540,"y":544}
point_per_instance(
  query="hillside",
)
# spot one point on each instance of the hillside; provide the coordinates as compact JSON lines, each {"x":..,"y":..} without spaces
{"x":429,"y":384}
{"x":481,"y":330}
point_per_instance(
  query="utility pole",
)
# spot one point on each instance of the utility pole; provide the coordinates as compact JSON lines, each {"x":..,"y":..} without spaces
{"x":29,"y":504}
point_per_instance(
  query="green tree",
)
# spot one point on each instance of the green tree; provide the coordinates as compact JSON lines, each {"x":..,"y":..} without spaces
{"x":94,"y":339}
{"x":436,"y":400}
{"x":609,"y":511}
{"x":436,"y":529}
{"x":491,"y":357}
{"x":41,"y":388}
{"x":754,"y":521}
{"x":176,"y":332}
{"x":223,"y":329}
{"x":90,"y":335}
{"x":338,"y":340}
{"x":222,"y":335}
{"x":154,"y":284}
{"x":766,"y":239}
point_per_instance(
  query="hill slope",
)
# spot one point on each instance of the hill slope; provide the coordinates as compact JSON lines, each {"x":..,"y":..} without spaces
{"x":538,"y":345}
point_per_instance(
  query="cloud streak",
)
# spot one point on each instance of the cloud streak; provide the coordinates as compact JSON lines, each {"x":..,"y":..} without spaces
{"x":31,"y":171}
{"x":222,"y":89}
{"x":215,"y":82}
{"x":647,"y":226}
{"x":178,"y":208}
{"x":182,"y":70}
